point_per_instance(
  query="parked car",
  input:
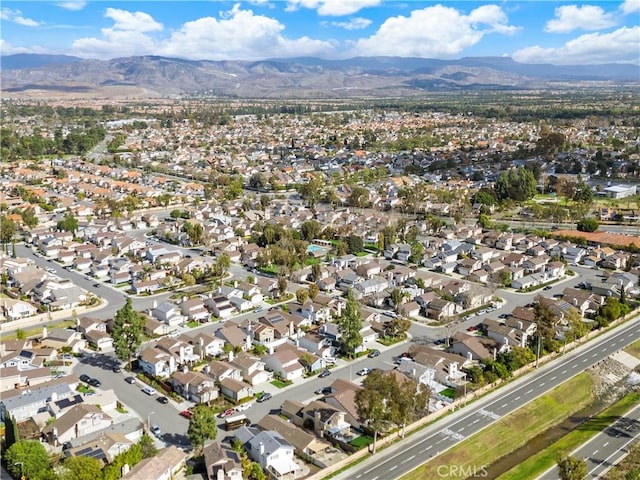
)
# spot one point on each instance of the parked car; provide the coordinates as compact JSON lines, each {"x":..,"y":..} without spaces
{"x":94,"y":382}
{"x":324,"y":373}
{"x":163,"y":400}
{"x":149,"y":390}
{"x":323,"y":391}
{"x":548,"y":287}
{"x":116,"y":369}
{"x":130,"y":380}
{"x":373,"y":353}
{"x":155,"y":429}
{"x":85,"y":378}
{"x":364,"y":372}
{"x":243,"y":406}
{"x":186,"y":414}
{"x":264,"y":397}
{"x":227,"y":412}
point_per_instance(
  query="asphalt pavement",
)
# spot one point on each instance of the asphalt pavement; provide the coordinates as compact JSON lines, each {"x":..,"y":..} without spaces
{"x":607,"y":448}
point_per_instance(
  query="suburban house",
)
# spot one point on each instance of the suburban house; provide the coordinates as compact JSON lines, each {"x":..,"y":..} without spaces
{"x":222,"y":463}
{"x":285,"y":364}
{"x":236,"y":390}
{"x":194,"y":386}
{"x":80,"y":420}
{"x":167,"y":464}
{"x":156,"y":362}
{"x":304,"y":443}
{"x":269,"y":449}
{"x":169,"y":314}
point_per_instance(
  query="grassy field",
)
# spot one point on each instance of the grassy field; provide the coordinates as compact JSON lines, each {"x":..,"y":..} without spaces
{"x":510,"y":432}
{"x":634,"y":349}
{"x":542,"y":461}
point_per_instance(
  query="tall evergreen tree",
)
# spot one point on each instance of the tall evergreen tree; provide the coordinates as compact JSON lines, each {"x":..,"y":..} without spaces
{"x":127,"y":331}
{"x":350,"y":324}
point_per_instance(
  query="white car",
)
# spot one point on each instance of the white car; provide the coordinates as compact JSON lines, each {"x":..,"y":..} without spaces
{"x":364,"y":372}
{"x":243,"y":406}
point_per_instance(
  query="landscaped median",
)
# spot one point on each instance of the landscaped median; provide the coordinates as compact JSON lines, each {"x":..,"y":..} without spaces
{"x":546,"y":459}
{"x":510,"y":432}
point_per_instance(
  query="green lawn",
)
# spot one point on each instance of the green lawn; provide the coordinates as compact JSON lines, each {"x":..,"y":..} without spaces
{"x":448,"y":392}
{"x":362,"y":441}
{"x":32,"y":332}
{"x":542,"y":461}
{"x":193,"y":324}
{"x":280,"y":383}
{"x":511,"y":432}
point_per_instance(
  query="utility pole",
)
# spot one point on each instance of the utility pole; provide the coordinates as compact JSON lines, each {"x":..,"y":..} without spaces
{"x":538,"y":351}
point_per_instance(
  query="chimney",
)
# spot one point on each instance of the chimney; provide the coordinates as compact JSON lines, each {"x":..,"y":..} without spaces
{"x":469,"y":356}
{"x":235,"y":284}
{"x":261,"y":448}
{"x":316,"y":423}
{"x":231,"y":356}
{"x":184,"y":298}
{"x":185,"y":369}
{"x":44,"y":332}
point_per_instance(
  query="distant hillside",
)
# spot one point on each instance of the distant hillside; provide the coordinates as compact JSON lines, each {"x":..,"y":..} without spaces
{"x":301,"y":77}
{"x":32,"y":60}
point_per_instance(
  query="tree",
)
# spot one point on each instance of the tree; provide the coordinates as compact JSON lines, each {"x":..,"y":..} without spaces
{"x":310,"y":229}
{"x":223,"y":263}
{"x":310,"y":191}
{"x":484,"y":221}
{"x":11,"y":434}
{"x":8,"y":229}
{"x":359,"y":197}
{"x":571,"y":468}
{"x":350,"y":324}
{"x":399,"y":326}
{"x":68,"y":224}
{"x":583,"y":193}
{"x":396,"y":297}
{"x":195,"y":231}
{"x":202,"y":426}
{"x":81,"y":468}
{"x":313,"y":291}
{"x":417,"y":251}
{"x":588,"y":225}
{"x":355,"y":244}
{"x":29,"y":217}
{"x":28,"y":458}
{"x":408,"y":399}
{"x":515,"y":184}
{"x":282,"y":285}
{"x":147,"y":446}
{"x":127,"y":331}
{"x":371,"y":403}
{"x":302,"y":295}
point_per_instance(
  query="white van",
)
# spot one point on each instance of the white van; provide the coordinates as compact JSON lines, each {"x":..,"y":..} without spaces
{"x":149,"y":390}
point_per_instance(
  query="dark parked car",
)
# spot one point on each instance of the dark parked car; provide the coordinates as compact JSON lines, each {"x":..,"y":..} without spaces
{"x":94,"y":382}
{"x":130,"y":380}
{"x":116,"y":369}
{"x":324,"y":373}
{"x":323,"y":391}
{"x":264,"y":397}
{"x":163,"y":400}
{"x":85,"y":378}
{"x":548,"y":287}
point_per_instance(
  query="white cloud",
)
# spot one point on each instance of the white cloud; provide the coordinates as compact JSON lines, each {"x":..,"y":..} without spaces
{"x":132,"y":21}
{"x":15,"y":16}
{"x":573,"y":17}
{"x":7,"y":48}
{"x":126,"y":37}
{"x":619,"y":46}
{"x":436,"y":31}
{"x":334,"y":8}
{"x":238,"y":34}
{"x":72,"y":5}
{"x":630,"y":6}
{"x":357,"y":23}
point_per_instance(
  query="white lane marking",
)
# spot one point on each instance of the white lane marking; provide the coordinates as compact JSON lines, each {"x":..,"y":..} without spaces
{"x":407,"y":460}
{"x":529,"y":391}
{"x":425,"y":449}
{"x":563,"y":372}
{"x":393,"y":468}
{"x":517,"y":398}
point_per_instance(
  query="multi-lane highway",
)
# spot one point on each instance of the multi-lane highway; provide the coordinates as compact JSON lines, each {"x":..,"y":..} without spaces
{"x":607,"y":448}
{"x":429,"y":443}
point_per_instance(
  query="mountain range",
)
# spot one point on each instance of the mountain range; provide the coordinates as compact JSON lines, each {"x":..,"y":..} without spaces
{"x":31,"y":74}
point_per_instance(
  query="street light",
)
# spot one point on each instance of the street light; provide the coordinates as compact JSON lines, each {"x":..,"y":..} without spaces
{"x":22,"y":477}
{"x":149,"y":420}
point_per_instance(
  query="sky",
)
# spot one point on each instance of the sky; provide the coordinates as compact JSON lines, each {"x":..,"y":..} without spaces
{"x":535,"y":31}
